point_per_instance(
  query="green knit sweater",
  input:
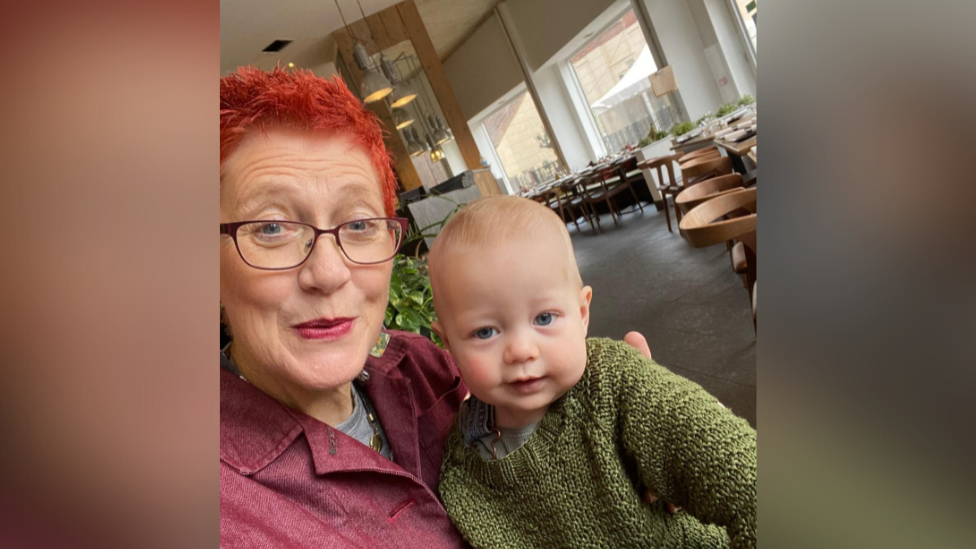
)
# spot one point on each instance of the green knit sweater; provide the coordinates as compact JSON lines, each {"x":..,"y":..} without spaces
{"x":628,"y":424}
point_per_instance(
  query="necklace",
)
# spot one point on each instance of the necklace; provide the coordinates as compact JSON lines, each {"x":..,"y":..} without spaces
{"x":375,"y":441}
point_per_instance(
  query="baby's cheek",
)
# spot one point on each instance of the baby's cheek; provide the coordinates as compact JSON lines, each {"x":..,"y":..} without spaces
{"x":477,"y":372}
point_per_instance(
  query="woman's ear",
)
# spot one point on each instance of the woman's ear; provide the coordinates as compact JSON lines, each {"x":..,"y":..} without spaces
{"x":439,"y":330}
{"x":585,"y":296}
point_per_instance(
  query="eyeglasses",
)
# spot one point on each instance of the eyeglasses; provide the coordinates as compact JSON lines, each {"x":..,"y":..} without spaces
{"x":281,"y":245}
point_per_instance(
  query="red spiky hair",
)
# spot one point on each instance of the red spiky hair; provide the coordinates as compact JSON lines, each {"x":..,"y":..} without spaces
{"x":251,"y":99}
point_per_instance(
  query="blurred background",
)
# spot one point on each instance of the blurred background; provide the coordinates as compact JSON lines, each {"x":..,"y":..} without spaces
{"x":109,"y":275}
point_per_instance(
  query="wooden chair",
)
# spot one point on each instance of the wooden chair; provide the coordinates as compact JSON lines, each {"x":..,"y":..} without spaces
{"x":603,"y":186}
{"x":575,"y":203}
{"x":700,"y":169}
{"x":706,"y":190}
{"x":671,"y":187}
{"x":707,"y":151}
{"x":731,"y":216}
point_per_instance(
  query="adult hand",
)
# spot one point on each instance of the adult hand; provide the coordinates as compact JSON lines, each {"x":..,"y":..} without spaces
{"x":637,"y":341}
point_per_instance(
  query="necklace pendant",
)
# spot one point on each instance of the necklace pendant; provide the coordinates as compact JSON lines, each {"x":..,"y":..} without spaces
{"x":375,"y":442}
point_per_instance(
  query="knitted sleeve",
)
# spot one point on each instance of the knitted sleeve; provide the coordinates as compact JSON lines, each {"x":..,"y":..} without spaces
{"x":689,"y":449}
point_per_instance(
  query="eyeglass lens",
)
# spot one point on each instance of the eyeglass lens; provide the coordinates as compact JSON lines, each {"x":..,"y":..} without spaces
{"x":283,"y":244}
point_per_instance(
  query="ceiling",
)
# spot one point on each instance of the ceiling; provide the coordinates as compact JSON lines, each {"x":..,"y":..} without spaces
{"x":248,"y":26}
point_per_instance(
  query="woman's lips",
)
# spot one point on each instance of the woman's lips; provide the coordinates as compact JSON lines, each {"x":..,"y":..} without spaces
{"x":324,"y":328}
{"x":527,"y":386}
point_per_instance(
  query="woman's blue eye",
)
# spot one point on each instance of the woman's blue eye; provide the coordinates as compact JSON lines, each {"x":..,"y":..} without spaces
{"x":357,"y":226}
{"x":484,"y":333}
{"x":544,"y":319}
{"x":270,"y":229}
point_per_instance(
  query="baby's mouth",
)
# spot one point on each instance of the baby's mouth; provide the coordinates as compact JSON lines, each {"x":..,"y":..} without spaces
{"x":527,"y":385}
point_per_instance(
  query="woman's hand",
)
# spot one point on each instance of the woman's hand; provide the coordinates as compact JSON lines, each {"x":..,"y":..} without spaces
{"x":637,"y":341}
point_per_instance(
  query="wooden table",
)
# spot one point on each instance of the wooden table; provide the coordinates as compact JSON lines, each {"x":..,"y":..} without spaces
{"x":692,"y":144}
{"x":737,"y":150}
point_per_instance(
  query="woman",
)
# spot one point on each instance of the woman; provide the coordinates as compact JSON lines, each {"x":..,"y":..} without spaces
{"x":331,"y":431}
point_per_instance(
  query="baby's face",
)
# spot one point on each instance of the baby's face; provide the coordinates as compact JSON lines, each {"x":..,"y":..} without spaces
{"x":515,"y":321}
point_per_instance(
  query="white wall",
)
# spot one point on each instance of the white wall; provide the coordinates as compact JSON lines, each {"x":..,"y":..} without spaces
{"x":562,"y":116}
{"x":681,"y":41}
{"x":726,"y":30}
{"x":547,"y":25}
{"x":483,"y":69}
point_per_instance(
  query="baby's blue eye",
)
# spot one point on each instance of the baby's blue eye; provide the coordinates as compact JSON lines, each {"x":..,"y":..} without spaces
{"x":544,"y":319}
{"x":485,"y":333}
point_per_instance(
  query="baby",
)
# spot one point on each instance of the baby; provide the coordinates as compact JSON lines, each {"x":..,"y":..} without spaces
{"x":562,"y":435}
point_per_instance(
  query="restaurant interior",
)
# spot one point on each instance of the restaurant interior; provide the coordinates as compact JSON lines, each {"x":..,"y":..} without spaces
{"x":635,"y":121}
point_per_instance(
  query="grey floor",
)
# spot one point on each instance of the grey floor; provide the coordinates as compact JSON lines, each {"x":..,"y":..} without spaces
{"x":693,"y":310}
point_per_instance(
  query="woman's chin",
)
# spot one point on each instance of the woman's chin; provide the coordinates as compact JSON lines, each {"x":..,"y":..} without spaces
{"x":330,"y":363}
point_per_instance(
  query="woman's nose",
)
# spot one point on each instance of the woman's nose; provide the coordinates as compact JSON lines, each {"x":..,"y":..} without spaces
{"x":326,"y":269}
{"x":520,"y":348}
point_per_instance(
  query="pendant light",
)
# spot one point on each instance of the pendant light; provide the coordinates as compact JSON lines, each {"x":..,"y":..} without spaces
{"x":436,"y":153}
{"x":437,"y":125}
{"x":401,"y":117}
{"x":374,"y":85}
{"x":403,"y":92}
{"x":440,"y":136}
{"x":414,"y":148}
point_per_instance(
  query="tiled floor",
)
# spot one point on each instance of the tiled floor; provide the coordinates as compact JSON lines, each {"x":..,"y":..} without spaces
{"x":691,"y":307}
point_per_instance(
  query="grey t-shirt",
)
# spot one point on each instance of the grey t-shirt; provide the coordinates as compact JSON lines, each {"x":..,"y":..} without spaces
{"x":509,"y":441}
{"x":357,"y":425}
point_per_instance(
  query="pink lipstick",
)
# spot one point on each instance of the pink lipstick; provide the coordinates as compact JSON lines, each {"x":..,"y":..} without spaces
{"x":324,"y":328}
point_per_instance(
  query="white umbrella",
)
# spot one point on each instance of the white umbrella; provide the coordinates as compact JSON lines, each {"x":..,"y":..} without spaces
{"x":634,"y":82}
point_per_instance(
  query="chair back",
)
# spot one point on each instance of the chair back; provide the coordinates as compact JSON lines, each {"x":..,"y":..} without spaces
{"x":707,"y":189}
{"x":703,"y":168}
{"x":706,"y":224}
{"x":707,"y":151}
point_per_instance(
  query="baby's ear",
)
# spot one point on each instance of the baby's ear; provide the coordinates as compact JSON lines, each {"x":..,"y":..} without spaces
{"x":585,"y":296}
{"x":439,"y":330}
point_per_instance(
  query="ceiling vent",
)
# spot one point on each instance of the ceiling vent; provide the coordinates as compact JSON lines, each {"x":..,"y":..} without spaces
{"x":276,"y":46}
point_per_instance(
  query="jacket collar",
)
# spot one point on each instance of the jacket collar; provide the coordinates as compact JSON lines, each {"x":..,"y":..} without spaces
{"x":255,"y":428}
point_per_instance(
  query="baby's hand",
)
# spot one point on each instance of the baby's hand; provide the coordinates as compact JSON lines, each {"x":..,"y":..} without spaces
{"x":650,"y":499}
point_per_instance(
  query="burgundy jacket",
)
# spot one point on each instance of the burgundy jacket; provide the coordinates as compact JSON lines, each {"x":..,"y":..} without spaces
{"x":288,"y":480}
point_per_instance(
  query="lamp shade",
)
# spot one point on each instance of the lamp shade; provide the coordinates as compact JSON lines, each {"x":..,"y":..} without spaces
{"x":435,"y":151}
{"x":375,"y":86}
{"x":401,"y":118}
{"x":403,"y":93}
{"x":413,"y":147}
{"x":439,"y":135}
{"x":446,"y":129}
{"x":416,"y":137}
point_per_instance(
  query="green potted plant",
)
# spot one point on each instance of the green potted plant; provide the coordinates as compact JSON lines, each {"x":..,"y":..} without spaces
{"x":411,"y":305}
{"x":746,"y":100}
{"x":726,"y":109}
{"x":680,"y":129}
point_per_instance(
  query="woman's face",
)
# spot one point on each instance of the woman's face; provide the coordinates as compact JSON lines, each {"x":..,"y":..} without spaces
{"x":323,"y":180}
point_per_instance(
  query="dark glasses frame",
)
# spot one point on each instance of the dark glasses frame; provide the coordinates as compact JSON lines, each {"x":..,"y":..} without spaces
{"x":231,"y":229}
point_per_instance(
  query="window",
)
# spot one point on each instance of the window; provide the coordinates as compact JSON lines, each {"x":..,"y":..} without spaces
{"x":612,"y":70}
{"x":747,"y":11}
{"x":521,"y":142}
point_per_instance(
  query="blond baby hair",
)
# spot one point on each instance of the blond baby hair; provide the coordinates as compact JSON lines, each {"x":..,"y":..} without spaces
{"x":491,"y":222}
